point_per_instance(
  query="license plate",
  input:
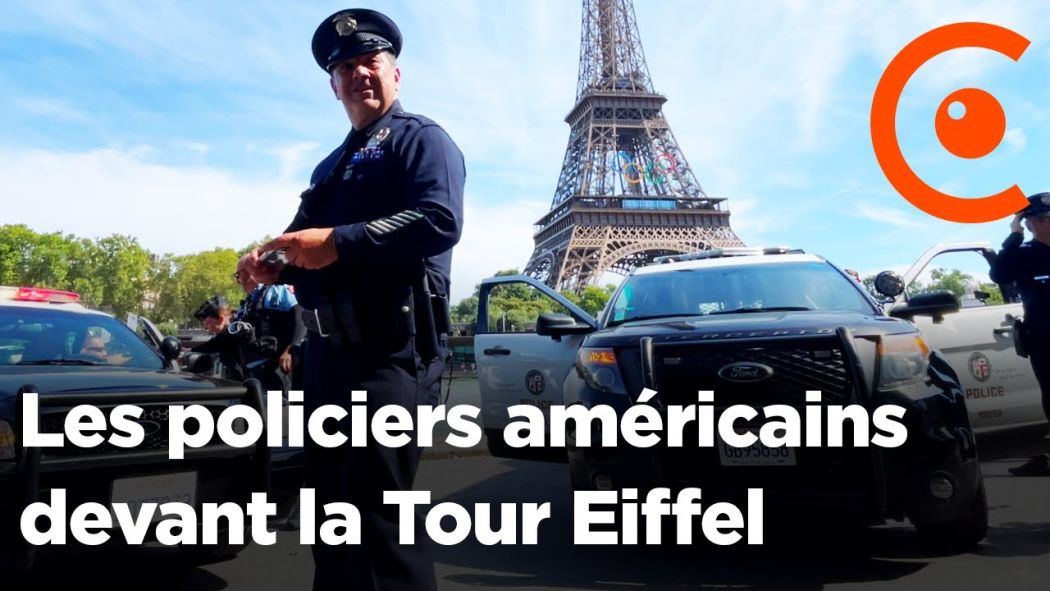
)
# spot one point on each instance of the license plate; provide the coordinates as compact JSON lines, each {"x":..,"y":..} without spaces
{"x":162,"y":488}
{"x":755,"y":455}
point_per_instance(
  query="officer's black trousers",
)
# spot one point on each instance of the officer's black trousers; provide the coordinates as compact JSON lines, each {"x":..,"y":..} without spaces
{"x":360,"y":475}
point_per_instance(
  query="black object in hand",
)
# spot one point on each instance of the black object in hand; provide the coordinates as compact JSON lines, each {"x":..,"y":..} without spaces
{"x":275,"y":258}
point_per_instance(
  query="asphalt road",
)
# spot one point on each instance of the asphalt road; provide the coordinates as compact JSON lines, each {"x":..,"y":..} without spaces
{"x":1015,"y":556}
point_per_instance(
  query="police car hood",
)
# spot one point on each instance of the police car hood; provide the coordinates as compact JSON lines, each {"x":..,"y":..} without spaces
{"x":742,"y":326}
{"x":88,"y":380}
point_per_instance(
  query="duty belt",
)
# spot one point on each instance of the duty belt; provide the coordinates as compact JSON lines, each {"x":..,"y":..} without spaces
{"x":335,"y":322}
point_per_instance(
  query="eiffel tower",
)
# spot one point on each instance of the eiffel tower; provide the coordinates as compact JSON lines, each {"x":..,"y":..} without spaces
{"x":626,"y":193}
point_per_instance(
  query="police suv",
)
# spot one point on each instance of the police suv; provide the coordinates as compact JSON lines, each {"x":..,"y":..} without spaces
{"x":757,"y":327}
{"x":70,"y":355}
{"x":1002,"y":394}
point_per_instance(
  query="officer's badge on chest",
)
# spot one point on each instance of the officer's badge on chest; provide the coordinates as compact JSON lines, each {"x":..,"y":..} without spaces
{"x":372,"y":152}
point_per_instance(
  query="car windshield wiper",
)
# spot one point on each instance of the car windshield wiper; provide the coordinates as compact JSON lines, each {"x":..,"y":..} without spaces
{"x":770,"y":309}
{"x":651,"y":317}
{"x":59,"y":362}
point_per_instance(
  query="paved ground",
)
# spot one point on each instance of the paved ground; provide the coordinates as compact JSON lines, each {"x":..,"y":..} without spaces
{"x":1016,"y":555}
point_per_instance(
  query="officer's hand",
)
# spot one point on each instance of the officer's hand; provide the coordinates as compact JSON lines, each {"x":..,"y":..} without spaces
{"x":1015,"y":224}
{"x":261,"y":271}
{"x":310,"y":249}
{"x":285,"y":362}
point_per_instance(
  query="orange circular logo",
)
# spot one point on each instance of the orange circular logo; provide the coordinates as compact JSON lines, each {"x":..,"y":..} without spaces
{"x":973,"y":135}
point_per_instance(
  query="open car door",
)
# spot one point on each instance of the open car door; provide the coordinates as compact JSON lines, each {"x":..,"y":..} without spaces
{"x":1002,"y":394}
{"x":515,"y":364}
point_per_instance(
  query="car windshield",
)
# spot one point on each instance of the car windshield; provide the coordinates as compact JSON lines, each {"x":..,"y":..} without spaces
{"x":737,"y":289}
{"x":34,"y":336}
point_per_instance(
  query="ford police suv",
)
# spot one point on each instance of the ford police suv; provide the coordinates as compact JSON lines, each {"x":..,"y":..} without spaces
{"x":70,"y":355}
{"x":757,"y":327}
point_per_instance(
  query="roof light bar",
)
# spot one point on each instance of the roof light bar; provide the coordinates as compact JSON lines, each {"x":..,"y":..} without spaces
{"x":40,"y":294}
{"x":717,"y":253}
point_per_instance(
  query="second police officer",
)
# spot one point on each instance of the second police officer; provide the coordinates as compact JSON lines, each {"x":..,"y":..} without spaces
{"x":369,"y":253}
{"x":274,"y":315}
{"x":1027,"y":264}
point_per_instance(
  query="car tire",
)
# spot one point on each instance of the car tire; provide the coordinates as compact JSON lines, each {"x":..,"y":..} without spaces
{"x":963,"y":533}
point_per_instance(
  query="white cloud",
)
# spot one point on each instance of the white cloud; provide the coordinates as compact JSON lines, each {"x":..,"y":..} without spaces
{"x":884,"y":215}
{"x":1016,"y":139}
{"x":51,"y":109}
{"x":181,"y":210}
{"x":169,"y":209}
{"x":198,"y":148}
{"x":496,"y":236}
{"x":291,"y":158}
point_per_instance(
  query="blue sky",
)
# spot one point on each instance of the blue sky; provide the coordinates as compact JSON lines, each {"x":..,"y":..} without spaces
{"x":196,"y":124}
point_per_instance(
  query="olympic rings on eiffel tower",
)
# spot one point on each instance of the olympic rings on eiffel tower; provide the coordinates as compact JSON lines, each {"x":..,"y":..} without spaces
{"x":655,"y":172}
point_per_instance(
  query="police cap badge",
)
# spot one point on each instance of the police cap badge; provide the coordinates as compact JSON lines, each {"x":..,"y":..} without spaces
{"x":353,"y":32}
{"x":1038,"y":205}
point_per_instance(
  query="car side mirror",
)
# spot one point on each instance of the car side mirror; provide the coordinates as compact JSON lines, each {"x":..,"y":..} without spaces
{"x":935,"y":304}
{"x":199,"y":363}
{"x":170,"y":348}
{"x":559,"y":325}
{"x":889,"y":284}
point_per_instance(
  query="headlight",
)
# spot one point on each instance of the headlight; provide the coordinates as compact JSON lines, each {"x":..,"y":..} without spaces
{"x":7,"y":441}
{"x":599,"y":369}
{"x":903,"y":359}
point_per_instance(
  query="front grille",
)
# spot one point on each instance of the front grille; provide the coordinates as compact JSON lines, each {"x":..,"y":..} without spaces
{"x":797,"y":366}
{"x":154,"y":420}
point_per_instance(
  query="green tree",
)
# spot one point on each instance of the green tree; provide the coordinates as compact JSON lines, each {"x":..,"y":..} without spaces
{"x":466,"y":311}
{"x":952,"y":280}
{"x":16,"y":244}
{"x":594,"y":298}
{"x":959,"y":284}
{"x":183,"y":282}
{"x":122,"y":268}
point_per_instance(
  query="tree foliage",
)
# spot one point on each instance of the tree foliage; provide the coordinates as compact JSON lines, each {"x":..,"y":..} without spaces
{"x":950,"y":280}
{"x":515,"y":307}
{"x":116,"y":274}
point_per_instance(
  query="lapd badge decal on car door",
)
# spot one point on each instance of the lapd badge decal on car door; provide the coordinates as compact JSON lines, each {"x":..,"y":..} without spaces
{"x":535,"y":383}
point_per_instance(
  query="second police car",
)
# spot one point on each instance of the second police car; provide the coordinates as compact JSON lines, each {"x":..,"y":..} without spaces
{"x":789,"y":323}
{"x":1002,"y":394}
{"x":69,"y":356}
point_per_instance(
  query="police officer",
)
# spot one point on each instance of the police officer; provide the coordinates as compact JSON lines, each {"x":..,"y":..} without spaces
{"x":277,"y":328}
{"x":369,"y":253}
{"x":1028,"y":265}
{"x":215,"y":313}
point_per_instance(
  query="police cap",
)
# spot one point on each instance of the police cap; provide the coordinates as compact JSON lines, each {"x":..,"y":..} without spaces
{"x":354,"y":32}
{"x":210,"y":308}
{"x":1038,"y":205}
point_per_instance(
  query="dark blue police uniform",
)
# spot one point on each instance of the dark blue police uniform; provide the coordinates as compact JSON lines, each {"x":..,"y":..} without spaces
{"x":394,"y":194}
{"x":275,"y":317}
{"x":1027,"y":264}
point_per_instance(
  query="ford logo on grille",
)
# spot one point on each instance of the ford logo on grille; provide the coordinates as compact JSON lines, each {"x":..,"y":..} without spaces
{"x":745,"y":372}
{"x":149,"y":427}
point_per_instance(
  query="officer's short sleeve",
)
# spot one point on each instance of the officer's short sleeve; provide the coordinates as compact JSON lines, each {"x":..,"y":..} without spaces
{"x":433,"y":218}
{"x":284,"y":299}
